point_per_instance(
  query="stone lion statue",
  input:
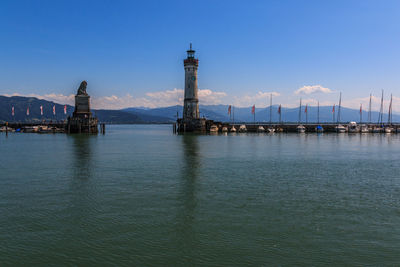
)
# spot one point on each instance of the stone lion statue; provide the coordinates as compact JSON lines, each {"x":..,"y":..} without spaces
{"x":82,"y":88}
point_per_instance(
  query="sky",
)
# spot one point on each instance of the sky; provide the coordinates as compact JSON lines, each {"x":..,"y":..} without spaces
{"x":131,"y":52}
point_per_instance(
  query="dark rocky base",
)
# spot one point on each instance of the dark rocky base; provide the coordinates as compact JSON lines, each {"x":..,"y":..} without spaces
{"x":82,"y":125}
{"x":194,"y":125}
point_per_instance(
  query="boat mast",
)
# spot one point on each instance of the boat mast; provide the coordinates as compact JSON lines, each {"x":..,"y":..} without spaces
{"x":369,"y":109}
{"x":306,"y":111}
{"x":270,"y":109}
{"x":390,"y":110}
{"x":380,"y":119}
{"x":333,"y":113}
{"x":340,"y":104}
{"x":300,"y":112}
{"x":318,"y":113}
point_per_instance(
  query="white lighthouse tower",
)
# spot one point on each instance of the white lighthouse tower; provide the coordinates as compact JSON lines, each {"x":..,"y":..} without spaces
{"x":191,"y":121}
{"x":191,"y":102}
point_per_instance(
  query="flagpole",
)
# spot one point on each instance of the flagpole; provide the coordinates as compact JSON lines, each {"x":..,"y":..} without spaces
{"x":233,"y":115}
{"x":270,"y":110}
{"x":333,"y":113}
{"x":306,"y":114}
{"x":369,"y":110}
{"x":253,"y":111}
{"x":360,"y":113}
{"x":300,"y":112}
{"x":280,"y":114}
{"x":340,"y":104}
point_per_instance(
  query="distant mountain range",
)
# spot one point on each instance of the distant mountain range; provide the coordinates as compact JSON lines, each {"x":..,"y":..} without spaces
{"x":21,"y":105}
{"x":169,"y":114}
{"x":220,"y":113}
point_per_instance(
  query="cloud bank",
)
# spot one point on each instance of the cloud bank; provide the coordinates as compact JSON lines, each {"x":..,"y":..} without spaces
{"x":150,"y":100}
{"x":311,"y":89}
{"x":209,"y":97}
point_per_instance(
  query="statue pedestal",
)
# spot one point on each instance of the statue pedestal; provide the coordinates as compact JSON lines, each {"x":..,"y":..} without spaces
{"x":82,"y":120}
{"x":82,"y":106}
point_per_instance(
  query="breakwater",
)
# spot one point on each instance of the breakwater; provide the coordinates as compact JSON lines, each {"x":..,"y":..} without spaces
{"x":350,"y":127}
{"x":46,"y":127}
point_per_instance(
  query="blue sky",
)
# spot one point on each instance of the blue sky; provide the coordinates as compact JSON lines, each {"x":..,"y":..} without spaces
{"x":131,"y":52}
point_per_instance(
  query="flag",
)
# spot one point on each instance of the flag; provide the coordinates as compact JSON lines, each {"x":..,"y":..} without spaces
{"x":41,"y":110}
{"x":12,"y":111}
{"x":333,"y":109}
{"x":54,"y":110}
{"x":305,"y":110}
{"x":279,"y":109}
{"x":65,"y":109}
{"x":360,"y":108}
{"x":27,"y":111}
{"x":229,"y":110}
{"x":253,"y":109}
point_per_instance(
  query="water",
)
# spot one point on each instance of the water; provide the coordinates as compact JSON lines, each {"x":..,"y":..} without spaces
{"x":141,"y":196}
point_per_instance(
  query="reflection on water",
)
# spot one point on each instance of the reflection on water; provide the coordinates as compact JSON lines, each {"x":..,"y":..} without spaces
{"x":188,"y":198}
{"x":82,"y":182}
{"x":82,"y":158}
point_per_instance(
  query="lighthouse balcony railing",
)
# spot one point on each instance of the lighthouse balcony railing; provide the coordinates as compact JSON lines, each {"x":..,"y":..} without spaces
{"x":191,"y":61}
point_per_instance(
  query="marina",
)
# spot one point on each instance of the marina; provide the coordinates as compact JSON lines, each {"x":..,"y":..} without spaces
{"x":262,"y":127}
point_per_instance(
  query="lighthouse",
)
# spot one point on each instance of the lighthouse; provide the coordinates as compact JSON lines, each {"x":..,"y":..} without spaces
{"x":191,"y":101}
{"x":191,"y":121}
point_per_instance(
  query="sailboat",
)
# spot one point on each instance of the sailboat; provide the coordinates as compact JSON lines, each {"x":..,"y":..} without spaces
{"x":300,"y":128}
{"x":319,"y":128}
{"x":389,"y":128}
{"x":353,"y":127}
{"x":380,"y":128}
{"x":340,"y":128}
{"x":270,"y":129}
{"x":260,"y":129}
{"x":364,"y":129}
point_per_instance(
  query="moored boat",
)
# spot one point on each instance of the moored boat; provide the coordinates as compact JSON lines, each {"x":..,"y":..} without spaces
{"x":378,"y":130}
{"x":340,"y":128}
{"x":301,"y":129}
{"x":271,"y":130}
{"x":213,"y":128}
{"x":319,"y":129}
{"x":224,"y":129}
{"x":6,"y":129}
{"x":242,"y":128}
{"x":364,"y":129}
{"x":233,"y":129}
{"x":389,"y":129}
{"x":30,"y":129}
{"x":44,"y":129}
{"x":260,"y":129}
{"x":353,"y":127}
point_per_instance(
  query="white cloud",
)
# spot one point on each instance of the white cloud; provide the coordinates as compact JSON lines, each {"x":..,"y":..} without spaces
{"x":150,"y":100}
{"x":209,"y":97}
{"x":311,"y":89}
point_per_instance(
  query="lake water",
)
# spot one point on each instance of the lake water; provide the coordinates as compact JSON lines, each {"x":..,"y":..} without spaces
{"x":141,"y":196}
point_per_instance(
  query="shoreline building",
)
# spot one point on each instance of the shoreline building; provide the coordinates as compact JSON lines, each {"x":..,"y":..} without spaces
{"x":82,"y":120}
{"x":191,"y":121}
